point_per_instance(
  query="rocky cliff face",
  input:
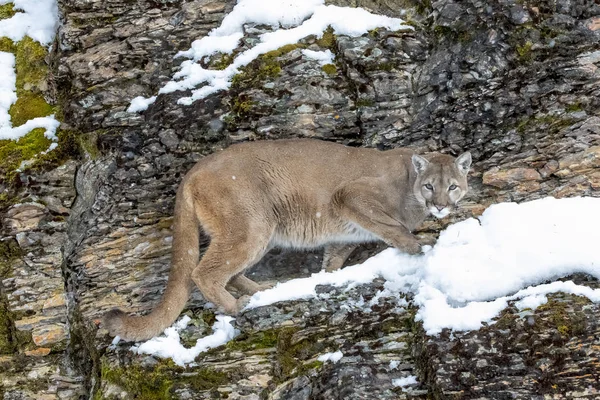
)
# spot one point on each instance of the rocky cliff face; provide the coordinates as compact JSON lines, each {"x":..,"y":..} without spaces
{"x":515,"y":82}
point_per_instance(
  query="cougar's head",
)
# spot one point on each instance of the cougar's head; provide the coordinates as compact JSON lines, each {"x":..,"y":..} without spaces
{"x":441,"y":181}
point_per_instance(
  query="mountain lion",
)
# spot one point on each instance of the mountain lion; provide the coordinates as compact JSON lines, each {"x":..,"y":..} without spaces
{"x":300,"y":194}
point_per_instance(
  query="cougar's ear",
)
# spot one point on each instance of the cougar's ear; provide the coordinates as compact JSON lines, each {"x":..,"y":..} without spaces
{"x":419,"y":163}
{"x":463,"y":162}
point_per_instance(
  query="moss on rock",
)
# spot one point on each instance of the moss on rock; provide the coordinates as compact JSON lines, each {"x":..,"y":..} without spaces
{"x":7,"y":345}
{"x":29,"y":106}
{"x":140,"y":383}
{"x":255,"y":73}
{"x":12,"y":152}
{"x":329,"y":69}
{"x":160,"y":381}
{"x":30,"y":63}
{"x":7,"y":11}
{"x":10,"y":339}
{"x":259,"y":340}
{"x":7,"y":45}
{"x":293,"y":357}
{"x":222,"y":61}
{"x":562,"y":317}
{"x":328,"y":40}
{"x":283,"y":50}
{"x":524,"y":52}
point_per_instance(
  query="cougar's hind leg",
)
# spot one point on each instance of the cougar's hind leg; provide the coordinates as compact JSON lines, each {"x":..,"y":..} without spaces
{"x":335,"y":255}
{"x":246,"y":285}
{"x":224,"y":260}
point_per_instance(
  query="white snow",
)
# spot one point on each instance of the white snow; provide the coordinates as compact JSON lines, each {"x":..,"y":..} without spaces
{"x":49,"y":123}
{"x":333,"y":357}
{"x":477,"y":266}
{"x":323,"y":57}
{"x":394,"y":364}
{"x":291,"y":20}
{"x":140,"y":103}
{"x":37,"y":19}
{"x":532,"y":302}
{"x":169,"y":346}
{"x":403,"y":382}
{"x":8,"y":90}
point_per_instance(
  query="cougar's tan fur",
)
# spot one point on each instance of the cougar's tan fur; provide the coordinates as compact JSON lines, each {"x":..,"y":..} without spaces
{"x":299,"y":194}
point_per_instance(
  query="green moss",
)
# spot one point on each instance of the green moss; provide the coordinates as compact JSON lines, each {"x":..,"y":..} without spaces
{"x":574,"y":107}
{"x":448,"y":33}
{"x":69,"y":147}
{"x":28,"y":106}
{"x":159,"y":382}
{"x":7,"y":45}
{"x":259,"y":340}
{"x":291,"y":356}
{"x":31,"y":66}
{"x":12,"y":152}
{"x":306,"y":367}
{"x":284,"y":50}
{"x":9,"y":251}
{"x":96,"y":21}
{"x":506,"y":320}
{"x":222,"y":62}
{"x":385,"y":66}
{"x":7,"y":345}
{"x":207,"y":316}
{"x":423,"y":7}
{"x":563,"y":318}
{"x":553,"y":123}
{"x":524,"y":52}
{"x":329,"y":69}
{"x":265,"y":67}
{"x":328,"y":40}
{"x":241,"y":106}
{"x":7,"y":11}
{"x":140,"y":383}
{"x":206,"y":379}
{"x":9,"y":337}
{"x":255,"y":73}
{"x":88,"y":144}
{"x":364,"y":103}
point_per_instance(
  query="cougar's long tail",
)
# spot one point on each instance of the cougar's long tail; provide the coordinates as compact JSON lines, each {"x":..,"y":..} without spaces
{"x":184,"y":258}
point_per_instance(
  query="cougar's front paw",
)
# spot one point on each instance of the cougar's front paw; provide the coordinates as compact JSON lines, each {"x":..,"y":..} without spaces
{"x":411,"y":247}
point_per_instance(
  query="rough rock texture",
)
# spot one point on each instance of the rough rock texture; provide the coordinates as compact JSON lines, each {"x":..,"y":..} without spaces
{"x":515,"y":82}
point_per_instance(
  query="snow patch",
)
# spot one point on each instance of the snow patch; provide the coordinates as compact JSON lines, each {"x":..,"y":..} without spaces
{"x":169,"y":346}
{"x":140,"y":103}
{"x":8,"y":89}
{"x":404,"y":382}
{"x":333,"y":357}
{"x":38,"y":20}
{"x":322,"y":57}
{"x":293,"y":21}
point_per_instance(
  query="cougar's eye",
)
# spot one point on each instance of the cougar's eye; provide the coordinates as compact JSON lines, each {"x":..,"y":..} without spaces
{"x":452,"y":187}
{"x":428,"y":186}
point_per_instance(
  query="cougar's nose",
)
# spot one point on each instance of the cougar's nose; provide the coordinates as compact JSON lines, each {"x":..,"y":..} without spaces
{"x":440,"y":208}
